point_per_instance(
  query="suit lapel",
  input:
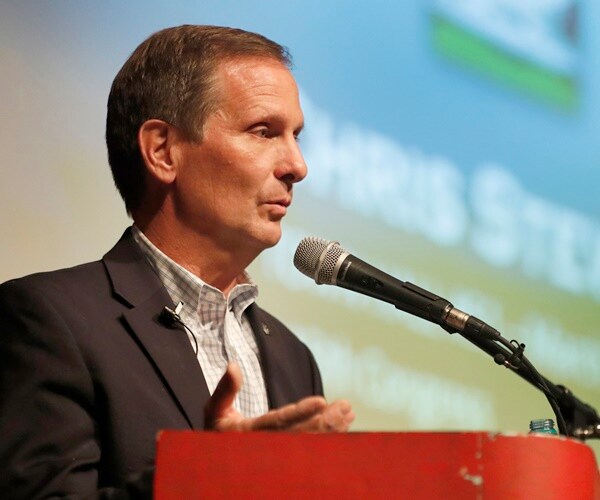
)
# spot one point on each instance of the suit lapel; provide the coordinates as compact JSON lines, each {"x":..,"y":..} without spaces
{"x":169,"y":349}
{"x":271,"y":349}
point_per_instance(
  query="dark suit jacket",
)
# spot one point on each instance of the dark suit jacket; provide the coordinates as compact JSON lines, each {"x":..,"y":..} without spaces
{"x":89,"y":375}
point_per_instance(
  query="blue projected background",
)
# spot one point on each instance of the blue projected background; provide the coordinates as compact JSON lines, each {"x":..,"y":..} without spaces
{"x":451,"y":143}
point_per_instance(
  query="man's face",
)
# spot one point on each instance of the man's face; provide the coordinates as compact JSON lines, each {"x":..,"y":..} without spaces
{"x":235,"y":185}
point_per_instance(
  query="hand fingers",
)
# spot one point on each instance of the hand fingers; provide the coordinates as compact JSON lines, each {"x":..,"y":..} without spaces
{"x":221,"y":401}
{"x":337,"y":417}
{"x":311,"y":414}
{"x":283,"y":418}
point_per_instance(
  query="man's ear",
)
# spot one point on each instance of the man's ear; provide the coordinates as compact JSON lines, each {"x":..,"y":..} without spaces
{"x":156,"y":139}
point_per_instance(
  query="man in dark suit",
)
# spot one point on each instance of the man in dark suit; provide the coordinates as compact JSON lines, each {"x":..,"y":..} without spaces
{"x":202,"y":132}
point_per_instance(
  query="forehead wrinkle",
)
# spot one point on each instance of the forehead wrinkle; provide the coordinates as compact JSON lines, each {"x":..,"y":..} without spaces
{"x":256,"y":106}
{"x":255,"y":92}
{"x":261,"y":69}
{"x":252,"y":74}
{"x":240,"y":82}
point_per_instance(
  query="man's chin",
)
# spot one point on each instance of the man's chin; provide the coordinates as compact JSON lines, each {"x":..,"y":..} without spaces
{"x":271,"y":241}
{"x":271,"y":237}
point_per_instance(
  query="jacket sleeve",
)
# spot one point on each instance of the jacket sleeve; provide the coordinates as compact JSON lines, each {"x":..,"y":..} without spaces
{"x":49,"y":442}
{"x":316,"y":375}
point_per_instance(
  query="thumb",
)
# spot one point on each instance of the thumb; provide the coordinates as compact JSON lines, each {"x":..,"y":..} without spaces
{"x":221,"y":401}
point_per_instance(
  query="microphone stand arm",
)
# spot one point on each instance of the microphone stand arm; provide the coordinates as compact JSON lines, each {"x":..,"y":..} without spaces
{"x":574,"y":418}
{"x":582,"y":420}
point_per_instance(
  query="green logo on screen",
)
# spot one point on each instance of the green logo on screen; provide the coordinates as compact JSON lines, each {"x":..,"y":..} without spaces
{"x":527,"y":45}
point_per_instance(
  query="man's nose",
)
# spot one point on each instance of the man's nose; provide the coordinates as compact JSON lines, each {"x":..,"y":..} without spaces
{"x":291,"y":167}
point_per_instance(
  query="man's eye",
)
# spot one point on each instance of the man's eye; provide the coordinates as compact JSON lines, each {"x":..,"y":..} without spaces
{"x":262,"y":132}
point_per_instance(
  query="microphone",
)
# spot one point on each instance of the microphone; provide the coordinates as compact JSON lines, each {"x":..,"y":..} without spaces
{"x":328,"y":263}
{"x":170,"y":318}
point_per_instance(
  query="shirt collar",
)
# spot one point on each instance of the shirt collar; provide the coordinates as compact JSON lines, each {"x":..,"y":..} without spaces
{"x":184,"y":286}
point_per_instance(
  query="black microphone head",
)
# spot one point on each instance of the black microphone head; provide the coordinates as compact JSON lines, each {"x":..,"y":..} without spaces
{"x":318,"y":258}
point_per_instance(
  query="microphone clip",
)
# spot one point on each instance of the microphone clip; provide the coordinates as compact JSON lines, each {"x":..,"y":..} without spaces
{"x":170,"y":317}
{"x":515,"y":359}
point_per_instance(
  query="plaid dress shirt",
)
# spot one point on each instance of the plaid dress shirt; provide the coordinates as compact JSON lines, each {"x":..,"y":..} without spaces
{"x":218,"y":323}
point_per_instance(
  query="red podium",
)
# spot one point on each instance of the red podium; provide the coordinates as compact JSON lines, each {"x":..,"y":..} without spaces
{"x":465,"y":465}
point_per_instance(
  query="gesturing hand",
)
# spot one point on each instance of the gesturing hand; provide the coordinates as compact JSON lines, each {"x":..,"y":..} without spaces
{"x":311,"y":414}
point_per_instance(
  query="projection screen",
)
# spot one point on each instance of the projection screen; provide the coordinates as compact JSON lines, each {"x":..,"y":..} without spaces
{"x":450,"y":143}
